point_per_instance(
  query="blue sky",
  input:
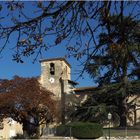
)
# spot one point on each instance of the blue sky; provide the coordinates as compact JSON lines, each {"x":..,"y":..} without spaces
{"x":10,"y":68}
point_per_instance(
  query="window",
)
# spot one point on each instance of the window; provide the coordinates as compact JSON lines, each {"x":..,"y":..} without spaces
{"x":52,"y":68}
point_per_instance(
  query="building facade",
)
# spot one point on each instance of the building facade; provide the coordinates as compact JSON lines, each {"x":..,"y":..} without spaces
{"x":56,"y":77}
{"x":53,"y":71}
{"x":10,"y":128}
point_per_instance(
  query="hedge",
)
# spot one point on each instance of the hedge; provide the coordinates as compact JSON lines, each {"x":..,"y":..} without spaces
{"x":80,"y":130}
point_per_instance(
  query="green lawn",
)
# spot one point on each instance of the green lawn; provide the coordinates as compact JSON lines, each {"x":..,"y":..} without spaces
{"x":122,"y":132}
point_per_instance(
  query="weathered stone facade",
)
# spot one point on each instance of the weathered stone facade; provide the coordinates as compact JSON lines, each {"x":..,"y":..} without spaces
{"x":56,"y":77}
{"x":133,"y":117}
{"x":10,"y":128}
{"x":59,"y":82}
{"x":52,"y":70}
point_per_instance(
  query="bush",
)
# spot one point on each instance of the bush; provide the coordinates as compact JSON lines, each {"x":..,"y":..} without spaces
{"x":80,"y":130}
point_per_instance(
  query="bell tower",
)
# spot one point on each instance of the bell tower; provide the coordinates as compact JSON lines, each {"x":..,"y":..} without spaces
{"x":52,"y":70}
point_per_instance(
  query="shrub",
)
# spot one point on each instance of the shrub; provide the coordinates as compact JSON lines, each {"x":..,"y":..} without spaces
{"x":80,"y":130}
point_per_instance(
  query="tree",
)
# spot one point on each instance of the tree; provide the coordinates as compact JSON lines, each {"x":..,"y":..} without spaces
{"x":119,"y":44}
{"x":24,"y":100}
{"x":71,"y":103}
{"x":95,"y":109}
{"x":106,"y":99}
{"x":75,"y":22}
{"x":78,"y":23}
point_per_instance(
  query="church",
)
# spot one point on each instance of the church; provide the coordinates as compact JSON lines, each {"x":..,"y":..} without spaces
{"x":56,"y":77}
{"x":53,"y":72}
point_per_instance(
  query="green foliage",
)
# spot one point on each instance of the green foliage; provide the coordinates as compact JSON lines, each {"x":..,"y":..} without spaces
{"x":95,"y":109}
{"x":118,"y":51}
{"x":117,"y":60}
{"x":80,"y":130}
{"x":106,"y":99}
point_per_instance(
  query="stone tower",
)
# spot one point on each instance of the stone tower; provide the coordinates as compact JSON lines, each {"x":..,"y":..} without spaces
{"x":52,"y":70}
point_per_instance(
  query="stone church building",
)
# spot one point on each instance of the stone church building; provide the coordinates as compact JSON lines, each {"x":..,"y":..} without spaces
{"x":56,"y":77}
{"x":53,"y":71}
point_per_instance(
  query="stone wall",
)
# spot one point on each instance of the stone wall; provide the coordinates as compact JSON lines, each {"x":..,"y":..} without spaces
{"x":62,"y":70}
{"x":10,"y":128}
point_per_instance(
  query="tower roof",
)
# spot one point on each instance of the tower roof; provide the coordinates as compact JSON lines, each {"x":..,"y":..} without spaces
{"x":55,"y":59}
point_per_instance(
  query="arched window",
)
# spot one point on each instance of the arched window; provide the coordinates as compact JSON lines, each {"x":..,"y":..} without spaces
{"x":52,"y":69}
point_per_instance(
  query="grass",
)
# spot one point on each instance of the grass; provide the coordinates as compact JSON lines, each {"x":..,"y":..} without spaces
{"x":115,"y":132}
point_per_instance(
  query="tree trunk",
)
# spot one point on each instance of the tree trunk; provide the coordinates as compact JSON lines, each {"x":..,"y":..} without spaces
{"x":30,"y":130}
{"x":123,"y":112}
{"x":37,"y":133}
{"x":25,"y":129}
{"x":25,"y":134}
{"x":123,"y":103}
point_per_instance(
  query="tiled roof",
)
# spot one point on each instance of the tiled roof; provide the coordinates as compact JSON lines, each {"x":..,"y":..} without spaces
{"x":72,"y":82}
{"x":85,"y":89}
